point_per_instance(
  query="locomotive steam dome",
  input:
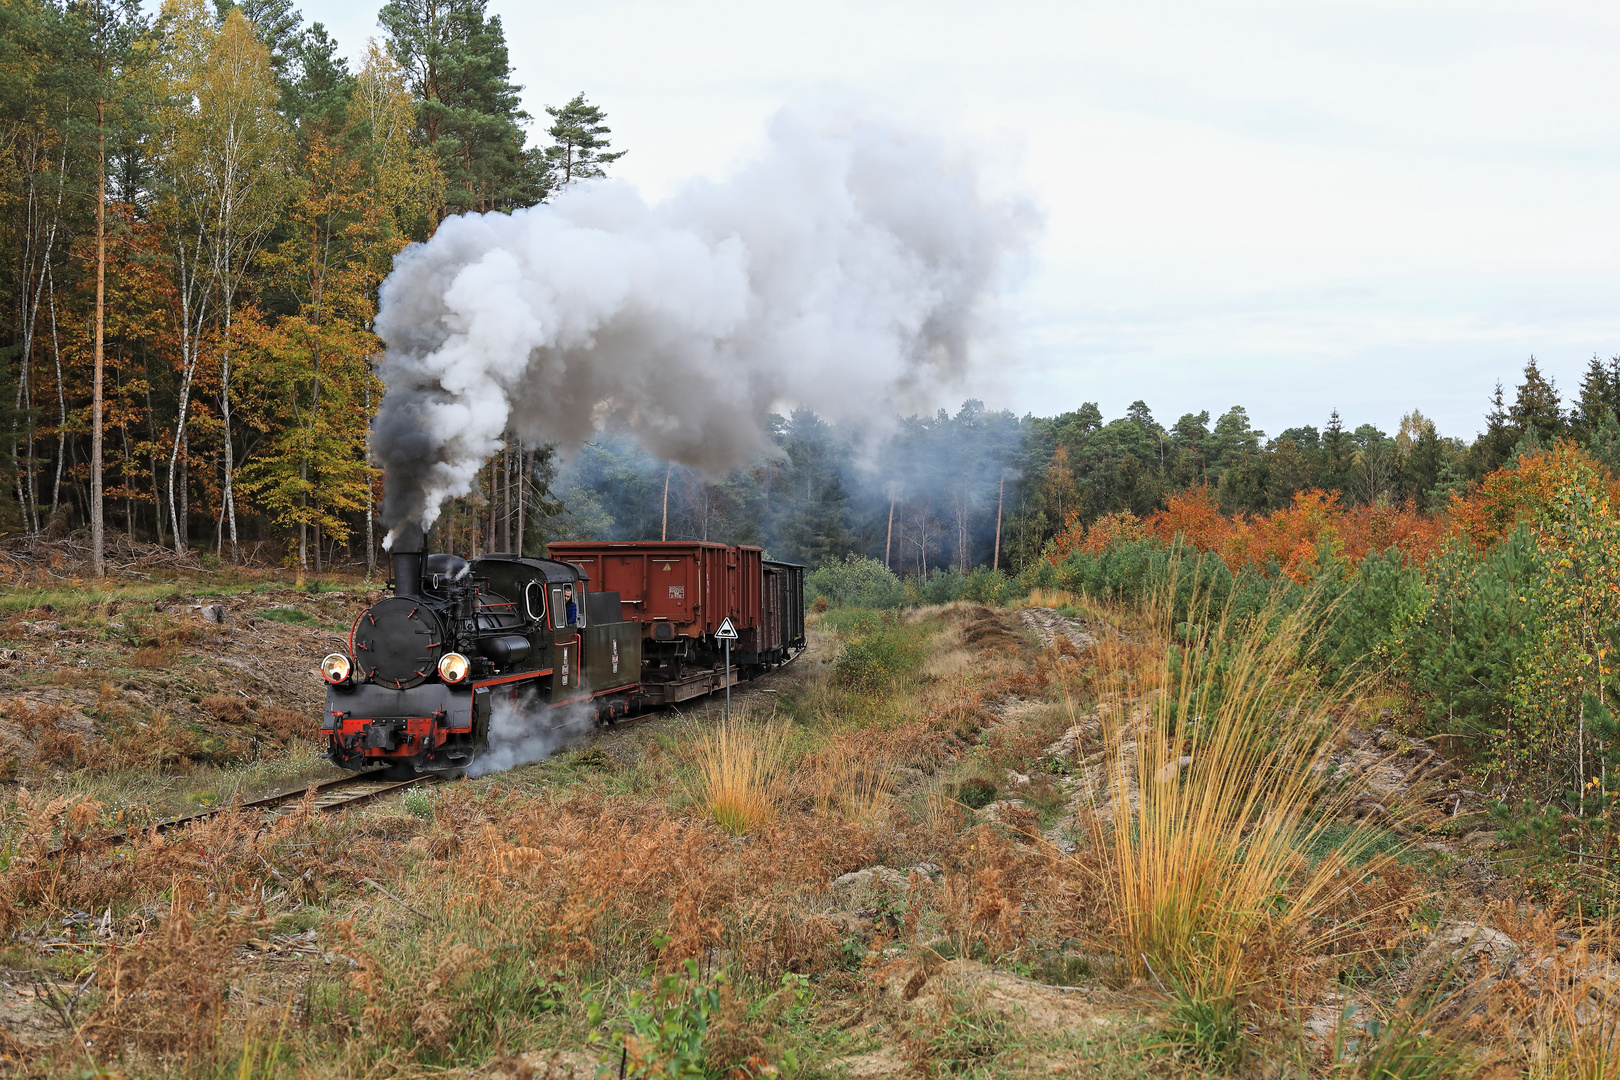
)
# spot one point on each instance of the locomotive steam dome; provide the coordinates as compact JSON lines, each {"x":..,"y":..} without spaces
{"x":398,"y":642}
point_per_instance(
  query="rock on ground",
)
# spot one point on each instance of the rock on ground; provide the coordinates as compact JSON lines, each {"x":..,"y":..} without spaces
{"x":1049,"y":626}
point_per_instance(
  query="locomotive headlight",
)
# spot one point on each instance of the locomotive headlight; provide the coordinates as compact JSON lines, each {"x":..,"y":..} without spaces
{"x":336,"y":668}
{"x":453,"y":667}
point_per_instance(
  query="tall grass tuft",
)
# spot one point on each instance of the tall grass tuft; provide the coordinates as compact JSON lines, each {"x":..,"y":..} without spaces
{"x":1578,"y":1030}
{"x":738,"y":762}
{"x":1214,"y":744}
{"x":1049,"y":598}
{"x":843,"y":780}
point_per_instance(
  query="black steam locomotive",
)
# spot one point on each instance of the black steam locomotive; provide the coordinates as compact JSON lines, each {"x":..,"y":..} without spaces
{"x":426,"y":667}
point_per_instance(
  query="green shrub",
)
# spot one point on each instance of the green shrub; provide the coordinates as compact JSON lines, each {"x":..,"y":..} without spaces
{"x":669,"y":1024}
{"x":1413,"y":1043}
{"x":870,"y":661}
{"x":1459,"y":657}
{"x":1207,"y":1030}
{"x":855,"y":582}
{"x":976,"y":793}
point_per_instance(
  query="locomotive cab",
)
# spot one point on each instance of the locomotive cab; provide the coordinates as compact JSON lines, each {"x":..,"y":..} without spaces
{"x":588,"y":654}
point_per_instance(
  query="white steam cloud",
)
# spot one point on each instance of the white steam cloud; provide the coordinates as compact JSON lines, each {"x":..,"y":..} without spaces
{"x":523,"y":730}
{"x":846,"y":271}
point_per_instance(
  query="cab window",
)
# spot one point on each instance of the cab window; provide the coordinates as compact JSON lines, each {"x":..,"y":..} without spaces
{"x":559,"y":607}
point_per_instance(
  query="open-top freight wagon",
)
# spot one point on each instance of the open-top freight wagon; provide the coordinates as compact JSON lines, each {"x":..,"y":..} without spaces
{"x":609,"y":628}
{"x":681,"y":591}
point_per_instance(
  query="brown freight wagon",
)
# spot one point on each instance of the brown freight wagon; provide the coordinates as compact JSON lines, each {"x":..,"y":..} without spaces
{"x":681,"y":591}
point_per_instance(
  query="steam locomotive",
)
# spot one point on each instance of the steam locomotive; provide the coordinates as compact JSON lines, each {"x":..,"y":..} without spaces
{"x":426,"y":667}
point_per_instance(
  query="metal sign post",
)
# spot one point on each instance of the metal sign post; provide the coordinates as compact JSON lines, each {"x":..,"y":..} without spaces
{"x":727,"y":633}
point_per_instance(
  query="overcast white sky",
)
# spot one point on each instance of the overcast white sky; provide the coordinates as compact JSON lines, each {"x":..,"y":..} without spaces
{"x":1288,"y":206}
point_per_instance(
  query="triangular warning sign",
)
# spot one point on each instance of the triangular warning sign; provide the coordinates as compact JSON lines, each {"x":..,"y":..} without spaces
{"x":727,"y":632}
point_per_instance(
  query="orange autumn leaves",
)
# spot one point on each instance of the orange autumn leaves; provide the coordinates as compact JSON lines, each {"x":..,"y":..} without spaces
{"x":1292,"y":538}
{"x":1525,"y":490}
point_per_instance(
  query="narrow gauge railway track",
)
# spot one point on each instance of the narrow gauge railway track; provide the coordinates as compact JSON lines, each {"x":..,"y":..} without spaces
{"x":328,"y":795}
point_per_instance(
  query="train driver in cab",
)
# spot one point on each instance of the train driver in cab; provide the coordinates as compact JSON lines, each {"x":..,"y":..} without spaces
{"x":569,"y":607}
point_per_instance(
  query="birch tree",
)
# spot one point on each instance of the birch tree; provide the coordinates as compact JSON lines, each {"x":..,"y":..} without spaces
{"x":226,"y":153}
{"x":359,"y":185}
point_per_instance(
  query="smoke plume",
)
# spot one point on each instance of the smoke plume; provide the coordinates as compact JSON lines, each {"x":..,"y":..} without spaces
{"x":848,"y":271}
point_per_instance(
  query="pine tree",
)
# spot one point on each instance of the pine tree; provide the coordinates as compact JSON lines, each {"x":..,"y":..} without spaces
{"x":1538,"y":405}
{"x":1599,"y":397}
{"x":1233,"y":439}
{"x":316,"y":96}
{"x":1189,"y":448}
{"x":1496,"y":444}
{"x":1336,"y":451}
{"x":1451,"y":479}
{"x":1603,"y":443}
{"x":456,"y":64}
{"x":1529,"y":445}
{"x":1417,"y":456}
{"x":579,"y":145}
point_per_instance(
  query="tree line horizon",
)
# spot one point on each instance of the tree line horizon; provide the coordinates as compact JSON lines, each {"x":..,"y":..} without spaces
{"x":985,"y":488}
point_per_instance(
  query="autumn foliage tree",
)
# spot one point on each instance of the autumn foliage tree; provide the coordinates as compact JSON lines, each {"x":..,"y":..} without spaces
{"x":227,"y":152}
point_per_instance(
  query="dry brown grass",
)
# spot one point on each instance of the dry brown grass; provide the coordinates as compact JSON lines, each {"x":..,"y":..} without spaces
{"x":1557,"y":999}
{"x":227,"y":707}
{"x":1213,"y":798}
{"x":52,"y":743}
{"x":167,"y":992}
{"x":1050,"y":598}
{"x":159,"y":741}
{"x":844,"y":779}
{"x":289,"y":724}
{"x":738,"y":764}
{"x":592,"y":884}
{"x":154,"y":656}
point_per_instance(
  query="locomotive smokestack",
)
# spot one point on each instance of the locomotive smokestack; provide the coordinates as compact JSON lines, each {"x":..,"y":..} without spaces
{"x":407,"y":555}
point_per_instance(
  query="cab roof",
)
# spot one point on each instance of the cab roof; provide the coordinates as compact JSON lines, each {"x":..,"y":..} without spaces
{"x":550,"y":570}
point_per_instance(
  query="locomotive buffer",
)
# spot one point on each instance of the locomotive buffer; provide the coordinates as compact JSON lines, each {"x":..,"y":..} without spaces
{"x":727,"y":633}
